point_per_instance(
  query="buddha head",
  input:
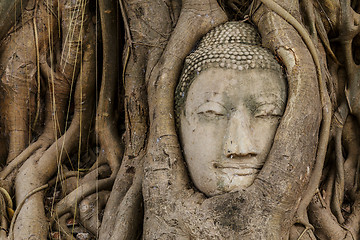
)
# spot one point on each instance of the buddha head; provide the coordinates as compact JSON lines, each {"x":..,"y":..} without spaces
{"x":229,"y":101}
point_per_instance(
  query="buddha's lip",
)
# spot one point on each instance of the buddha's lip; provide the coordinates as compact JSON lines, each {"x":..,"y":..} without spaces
{"x":238,"y":168}
{"x":238,"y":165}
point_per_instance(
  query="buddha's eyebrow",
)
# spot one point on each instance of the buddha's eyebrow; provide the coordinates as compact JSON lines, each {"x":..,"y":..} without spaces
{"x":212,"y":93}
{"x":210,"y":96}
{"x":276,"y":97}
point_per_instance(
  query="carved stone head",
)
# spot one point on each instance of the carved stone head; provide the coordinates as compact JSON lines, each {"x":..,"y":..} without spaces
{"x":229,"y":101}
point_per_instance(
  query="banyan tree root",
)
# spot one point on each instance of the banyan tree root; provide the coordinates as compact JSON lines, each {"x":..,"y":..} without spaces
{"x":173,"y":208}
{"x":89,"y":185}
{"x":326,"y":112}
{"x":37,"y":172}
{"x":22,"y":78}
{"x":3,"y":216}
{"x":61,"y":79}
{"x":330,"y":220}
{"x":9,"y":9}
{"x":348,"y":29}
{"x":109,"y":140}
{"x":21,"y":81}
{"x":55,"y":111}
{"x":143,"y":48}
{"x":88,"y":213}
{"x":90,"y":208}
{"x":20,"y":58}
{"x":62,"y":227}
{"x":31,"y":61}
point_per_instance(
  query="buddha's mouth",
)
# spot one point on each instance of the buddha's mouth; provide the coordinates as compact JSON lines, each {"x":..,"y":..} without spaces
{"x":238,"y":168}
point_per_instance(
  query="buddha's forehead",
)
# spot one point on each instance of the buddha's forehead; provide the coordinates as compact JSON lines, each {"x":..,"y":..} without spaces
{"x":217,"y":84}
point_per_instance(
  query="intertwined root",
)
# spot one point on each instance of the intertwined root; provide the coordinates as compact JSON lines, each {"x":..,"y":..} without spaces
{"x":30,"y":62}
{"x":59,"y":66}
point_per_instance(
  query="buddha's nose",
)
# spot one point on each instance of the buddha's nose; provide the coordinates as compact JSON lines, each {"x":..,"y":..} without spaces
{"x":239,"y":139}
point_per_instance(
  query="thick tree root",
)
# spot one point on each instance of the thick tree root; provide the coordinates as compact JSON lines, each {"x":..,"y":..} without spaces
{"x":70,"y":202}
{"x":109,"y":140}
{"x":90,"y":209}
{"x":326,"y":112}
{"x":19,"y":207}
{"x":36,"y":173}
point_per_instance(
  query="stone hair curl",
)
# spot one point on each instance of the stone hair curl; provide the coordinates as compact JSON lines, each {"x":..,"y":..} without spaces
{"x":232,"y":45}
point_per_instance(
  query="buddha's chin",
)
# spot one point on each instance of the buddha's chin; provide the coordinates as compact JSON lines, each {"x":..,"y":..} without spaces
{"x":231,"y":182}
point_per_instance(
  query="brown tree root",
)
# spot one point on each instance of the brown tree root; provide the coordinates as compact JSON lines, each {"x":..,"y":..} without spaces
{"x":24,"y":155}
{"x":326,"y":112}
{"x":70,"y":202}
{"x":54,"y":120}
{"x":4,"y":220}
{"x":135,"y":104}
{"x":18,"y":84}
{"x":22,"y":75}
{"x":130,"y":211}
{"x":7,"y":198}
{"x":9,"y":9}
{"x":339,"y":184}
{"x":257,"y":212}
{"x":109,"y":140}
{"x":352,"y":223}
{"x":325,"y":223}
{"x":89,"y":210}
{"x":62,"y":227}
{"x":36,"y":173}
{"x":19,"y":207}
{"x":348,"y":29}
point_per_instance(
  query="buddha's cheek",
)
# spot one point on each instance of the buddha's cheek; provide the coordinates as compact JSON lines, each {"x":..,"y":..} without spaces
{"x":264,"y":132}
{"x":202,"y":145}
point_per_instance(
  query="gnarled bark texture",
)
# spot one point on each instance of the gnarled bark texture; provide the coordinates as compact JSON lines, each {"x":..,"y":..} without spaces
{"x":89,"y":146}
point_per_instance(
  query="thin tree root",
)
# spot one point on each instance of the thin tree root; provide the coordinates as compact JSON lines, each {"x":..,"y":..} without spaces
{"x":63,"y":228}
{"x":350,"y":232}
{"x":6,"y":211}
{"x":3,"y":228}
{"x":339,"y":183}
{"x":352,"y":223}
{"x":303,"y":233}
{"x":7,"y":198}
{"x":37,"y":62}
{"x":3,"y":218}
{"x":323,"y":203}
{"x":14,"y":164}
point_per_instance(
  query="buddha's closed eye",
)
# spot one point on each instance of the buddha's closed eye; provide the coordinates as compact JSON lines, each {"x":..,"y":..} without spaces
{"x":211,"y":110}
{"x":268,"y":110}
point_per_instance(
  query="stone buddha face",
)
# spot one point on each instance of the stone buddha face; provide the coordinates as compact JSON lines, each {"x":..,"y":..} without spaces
{"x":228,"y":126}
{"x":229,"y":102}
